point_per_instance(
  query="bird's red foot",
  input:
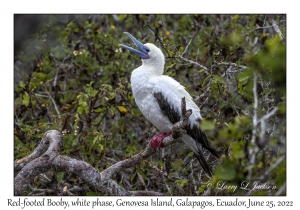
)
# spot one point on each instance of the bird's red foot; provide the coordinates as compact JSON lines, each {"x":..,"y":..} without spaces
{"x":156,"y":140}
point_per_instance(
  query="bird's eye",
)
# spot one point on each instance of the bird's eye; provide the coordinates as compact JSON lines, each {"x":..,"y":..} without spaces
{"x":147,"y":49}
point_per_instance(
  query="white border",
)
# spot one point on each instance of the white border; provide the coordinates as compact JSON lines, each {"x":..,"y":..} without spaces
{"x":153,"y":6}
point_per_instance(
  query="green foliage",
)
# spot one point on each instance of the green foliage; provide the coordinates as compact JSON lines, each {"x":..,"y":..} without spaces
{"x":92,"y":194}
{"x":177,"y":165}
{"x":206,"y":125}
{"x":60,"y":176}
{"x":182,"y":182}
{"x":26,"y":99}
{"x":228,"y":170}
{"x":238,"y":149}
{"x":80,"y":84}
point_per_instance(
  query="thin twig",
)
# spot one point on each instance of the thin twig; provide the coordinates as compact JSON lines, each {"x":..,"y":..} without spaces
{"x":263,"y":125}
{"x":53,"y":102}
{"x":277,"y":29}
{"x":232,"y":64}
{"x":278,"y":161}
{"x":40,"y":95}
{"x":253,"y":152}
{"x":189,"y":43}
{"x":193,"y":62}
{"x":281,"y":189}
{"x":258,"y":27}
{"x":159,"y":39}
{"x":55,"y":106}
{"x":254,"y":107}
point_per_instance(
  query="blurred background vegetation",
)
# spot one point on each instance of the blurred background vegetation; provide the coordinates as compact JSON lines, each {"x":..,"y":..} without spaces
{"x":71,"y":75}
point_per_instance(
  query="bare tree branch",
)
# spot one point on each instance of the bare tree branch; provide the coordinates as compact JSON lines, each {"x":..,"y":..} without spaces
{"x":253,"y":151}
{"x":193,"y":62}
{"x":242,"y":67}
{"x":263,"y":125}
{"x":277,"y":29}
{"x":187,"y":46}
{"x":38,"y":151}
{"x":145,"y":193}
{"x":281,"y":189}
{"x":278,"y":161}
{"x":258,"y":27}
{"x":37,"y":162}
{"x":261,"y":140}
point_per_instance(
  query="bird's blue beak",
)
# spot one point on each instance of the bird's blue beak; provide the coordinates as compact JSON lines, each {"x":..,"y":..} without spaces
{"x":144,"y":50}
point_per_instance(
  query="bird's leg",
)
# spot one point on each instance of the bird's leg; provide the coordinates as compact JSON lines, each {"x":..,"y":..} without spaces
{"x":156,"y":140}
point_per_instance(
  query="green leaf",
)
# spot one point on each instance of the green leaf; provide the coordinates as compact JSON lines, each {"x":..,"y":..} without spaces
{"x":282,"y":108}
{"x":90,"y":91}
{"x":235,"y":17}
{"x":190,"y":154}
{"x":267,"y":91}
{"x":243,"y":78}
{"x":100,"y":110}
{"x":82,"y":109}
{"x":132,"y":177}
{"x":100,"y":148}
{"x":60,"y":176}
{"x":122,"y":17}
{"x":82,"y":103}
{"x":71,"y":24}
{"x":182,"y":182}
{"x":218,"y":79}
{"x":26,"y":99}
{"x":41,"y":76}
{"x":98,"y":137}
{"x":205,"y":81}
{"x":202,"y":188}
{"x":92,"y":194}
{"x":112,"y":95}
{"x":22,"y":85}
{"x":227,"y":171}
{"x":206,"y":125}
{"x":235,"y":37}
{"x":112,"y":110}
{"x":238,"y":149}
{"x":177,"y":165}
{"x":170,"y":66}
{"x":142,"y":173}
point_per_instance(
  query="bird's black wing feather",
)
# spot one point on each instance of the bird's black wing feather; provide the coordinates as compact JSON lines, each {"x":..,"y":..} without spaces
{"x":165,"y":107}
{"x":194,"y":132}
{"x":174,"y":117}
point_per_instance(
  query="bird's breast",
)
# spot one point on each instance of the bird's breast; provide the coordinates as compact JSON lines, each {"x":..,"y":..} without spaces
{"x":142,"y":84}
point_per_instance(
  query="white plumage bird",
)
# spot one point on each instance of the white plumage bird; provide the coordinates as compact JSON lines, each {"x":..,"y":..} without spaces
{"x":159,"y":98}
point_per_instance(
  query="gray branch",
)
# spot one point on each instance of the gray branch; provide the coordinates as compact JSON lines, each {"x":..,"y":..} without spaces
{"x":253,"y":151}
{"x":193,"y":62}
{"x":46,"y":157}
{"x":277,"y":29}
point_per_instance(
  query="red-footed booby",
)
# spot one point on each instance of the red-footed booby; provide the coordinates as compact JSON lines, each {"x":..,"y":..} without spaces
{"x":159,"y":98}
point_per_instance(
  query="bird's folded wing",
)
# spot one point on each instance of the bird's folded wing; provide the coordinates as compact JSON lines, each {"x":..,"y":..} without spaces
{"x":168,"y":93}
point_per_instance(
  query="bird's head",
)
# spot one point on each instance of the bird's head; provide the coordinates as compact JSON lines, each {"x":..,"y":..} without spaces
{"x":151,"y":55}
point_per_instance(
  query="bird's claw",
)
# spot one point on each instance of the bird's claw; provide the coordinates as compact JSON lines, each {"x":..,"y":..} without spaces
{"x":157,"y":140}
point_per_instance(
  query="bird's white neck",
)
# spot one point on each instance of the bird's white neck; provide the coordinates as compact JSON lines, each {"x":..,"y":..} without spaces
{"x":156,"y":66}
{"x":156,"y":62}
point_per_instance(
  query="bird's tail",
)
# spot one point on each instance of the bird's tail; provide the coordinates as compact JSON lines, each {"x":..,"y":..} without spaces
{"x":203,"y":163}
{"x":198,"y":151}
{"x":207,"y":145}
